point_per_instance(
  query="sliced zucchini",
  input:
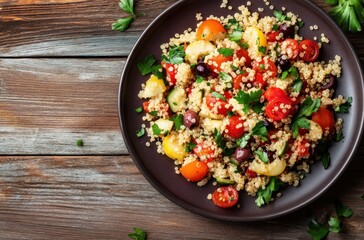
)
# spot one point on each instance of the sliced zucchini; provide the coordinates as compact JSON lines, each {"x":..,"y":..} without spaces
{"x":176,"y":99}
{"x":281,"y":147}
{"x":224,"y":181}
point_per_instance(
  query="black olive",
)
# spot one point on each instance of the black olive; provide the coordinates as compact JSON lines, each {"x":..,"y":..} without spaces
{"x":202,"y":69}
{"x":284,"y":64}
{"x":242,"y":154}
{"x":330,"y":80}
{"x":190,"y":119}
{"x":287,"y":30}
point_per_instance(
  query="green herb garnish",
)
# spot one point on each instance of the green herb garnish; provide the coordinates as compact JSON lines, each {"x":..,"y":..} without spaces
{"x":265,"y":195}
{"x":176,"y":55}
{"x":140,"y":133}
{"x":79,"y":142}
{"x":147,"y":65}
{"x":123,"y":23}
{"x":316,"y":230}
{"x":138,"y":234}
{"x":263,"y":156}
{"x":344,"y":108}
{"x":227,"y":52}
{"x":349,"y":14}
{"x":190,"y":146}
{"x":248,"y":98}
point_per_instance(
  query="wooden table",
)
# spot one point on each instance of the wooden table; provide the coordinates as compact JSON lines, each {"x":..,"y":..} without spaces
{"x":60,"y":65}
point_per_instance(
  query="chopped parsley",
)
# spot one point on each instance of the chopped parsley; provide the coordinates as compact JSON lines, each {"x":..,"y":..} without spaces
{"x":344,"y":108}
{"x":292,"y":71}
{"x":281,"y":16}
{"x":265,"y":195}
{"x":140,"y":133}
{"x":263,"y":156}
{"x":339,"y":136}
{"x":123,"y":23}
{"x":79,"y":142}
{"x":176,"y":55}
{"x":225,"y":77}
{"x":297,"y":85}
{"x":236,"y":32}
{"x":308,"y":107}
{"x":153,"y":113}
{"x":138,"y":109}
{"x":227,"y":52}
{"x":244,"y":140}
{"x":349,"y":14}
{"x":158,"y":131}
{"x":342,"y":210}
{"x":199,"y":79}
{"x":138,"y":234}
{"x":177,"y":121}
{"x":335,"y":224}
{"x":147,"y":66}
{"x":247,"y":99}
{"x":300,"y":123}
{"x":218,"y":95}
{"x":190,"y":146}
{"x":260,"y":130}
{"x":316,"y":230}
{"x":262,"y":49}
{"x":219,"y":140}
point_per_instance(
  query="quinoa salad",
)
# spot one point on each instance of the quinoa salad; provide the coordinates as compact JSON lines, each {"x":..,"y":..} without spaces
{"x":243,"y":101}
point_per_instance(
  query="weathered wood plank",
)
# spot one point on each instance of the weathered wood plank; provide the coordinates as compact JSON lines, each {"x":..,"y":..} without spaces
{"x":47,"y":104}
{"x":59,"y":28}
{"x":105,"y":197}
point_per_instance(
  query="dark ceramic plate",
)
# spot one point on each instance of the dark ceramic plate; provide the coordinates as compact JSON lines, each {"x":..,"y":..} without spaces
{"x":159,"y":170}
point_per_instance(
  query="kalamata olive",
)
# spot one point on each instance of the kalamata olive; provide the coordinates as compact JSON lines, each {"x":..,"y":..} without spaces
{"x":287,"y":30}
{"x":267,"y":124}
{"x":242,"y":154}
{"x":284,"y":64}
{"x":190,"y":119}
{"x":330,"y":80}
{"x":201,"y":69}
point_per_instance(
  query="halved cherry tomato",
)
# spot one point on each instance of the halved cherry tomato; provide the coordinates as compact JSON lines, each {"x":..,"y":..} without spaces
{"x":272,"y":36}
{"x":210,"y":30}
{"x":250,"y":173}
{"x":215,"y":62}
{"x":204,"y":152}
{"x":259,"y":80}
{"x":238,"y":79}
{"x":274,"y":92}
{"x":145,"y":106}
{"x":218,"y":105}
{"x":325,"y":118}
{"x":194,"y":171}
{"x":309,"y":50}
{"x":171,"y":72}
{"x":279,"y":108}
{"x":263,"y":68}
{"x":303,"y":148}
{"x":241,"y":52}
{"x":290,"y":48}
{"x":225,"y":197}
{"x":235,"y":127}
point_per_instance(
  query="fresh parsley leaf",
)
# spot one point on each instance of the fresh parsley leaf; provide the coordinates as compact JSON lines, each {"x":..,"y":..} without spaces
{"x":297,"y":85}
{"x":262,"y":49}
{"x":140,"y":133}
{"x":339,"y":136}
{"x":300,"y":123}
{"x":122,"y":24}
{"x":275,"y":27}
{"x":335,"y":224}
{"x":244,"y":45}
{"x":317,"y":231}
{"x":199,"y":79}
{"x":300,"y":24}
{"x":280,"y":15}
{"x":292,"y":71}
{"x":138,"y":234}
{"x":176,"y":55}
{"x":219,"y":140}
{"x":308,"y":107}
{"x":236,"y":31}
{"x":325,"y":159}
{"x":227,"y":52}
{"x":348,"y":14}
{"x":190,"y":146}
{"x":284,"y":75}
{"x":342,"y":210}
{"x":79,"y":142}
{"x":248,"y":98}
{"x":218,"y":95}
{"x":225,"y":77}
{"x":244,"y":140}
{"x":153,"y":113}
{"x":139,"y":110}
{"x":127,"y":6}
{"x":265,"y":195}
{"x":178,"y":121}
{"x":257,"y":107}
{"x":146,"y":65}
{"x":260,"y":130}
{"x":263,"y":156}
{"x":344,"y":108}
{"x":156,"y":129}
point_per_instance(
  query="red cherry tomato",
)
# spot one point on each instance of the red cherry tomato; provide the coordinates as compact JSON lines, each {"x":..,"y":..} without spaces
{"x":210,"y":30}
{"x":264,"y":70}
{"x":235,"y":127}
{"x":272,"y":36}
{"x":279,"y":108}
{"x":225,"y":197}
{"x":171,"y":72}
{"x":241,"y":52}
{"x":259,"y":80}
{"x":303,"y":148}
{"x":325,"y":118}
{"x":194,"y":171}
{"x":204,"y":152}
{"x":215,"y":62}
{"x":309,"y":50}
{"x":274,"y":92}
{"x":218,"y":105}
{"x":290,"y":48}
{"x":238,"y":79}
{"x":145,"y":106}
{"x":250,"y":173}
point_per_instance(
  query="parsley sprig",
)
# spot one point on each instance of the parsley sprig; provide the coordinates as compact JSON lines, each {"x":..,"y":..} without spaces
{"x":148,"y":65}
{"x":176,"y":55}
{"x":265,"y":195}
{"x":123,"y":23}
{"x":349,"y":14}
{"x":138,"y":234}
{"x":248,"y":99}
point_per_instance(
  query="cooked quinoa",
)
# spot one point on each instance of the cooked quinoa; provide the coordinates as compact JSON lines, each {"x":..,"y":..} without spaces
{"x":252,"y":89}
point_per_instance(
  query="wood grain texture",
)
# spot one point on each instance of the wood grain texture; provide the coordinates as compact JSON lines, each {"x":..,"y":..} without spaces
{"x":47,"y":104}
{"x":105,"y":197}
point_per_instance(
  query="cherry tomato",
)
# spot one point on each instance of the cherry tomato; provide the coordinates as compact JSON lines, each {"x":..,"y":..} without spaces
{"x":259,"y":80}
{"x":235,"y":127}
{"x":215,"y":62}
{"x":325,"y":118}
{"x":290,"y":48}
{"x":303,"y":148}
{"x":225,"y":197}
{"x":274,"y":92}
{"x":210,"y":30}
{"x":272,"y":36}
{"x":238,"y":79}
{"x":279,"y":108}
{"x":250,"y":173}
{"x":309,"y":50}
{"x":145,"y":106}
{"x":194,"y":171}
{"x":241,"y":52}
{"x":264,"y":70}
{"x":171,"y":71}
{"x":204,"y":152}
{"x":218,"y":105}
